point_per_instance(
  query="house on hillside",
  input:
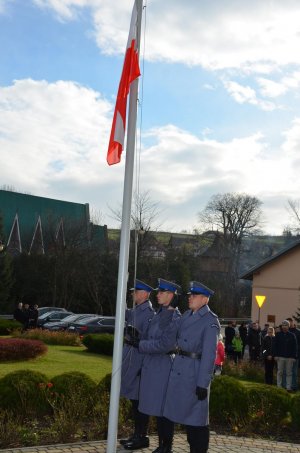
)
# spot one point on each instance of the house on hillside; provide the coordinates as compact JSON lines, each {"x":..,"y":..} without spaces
{"x":278,"y":279}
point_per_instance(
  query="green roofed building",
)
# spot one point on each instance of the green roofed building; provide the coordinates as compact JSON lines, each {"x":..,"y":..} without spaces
{"x":36,"y":223}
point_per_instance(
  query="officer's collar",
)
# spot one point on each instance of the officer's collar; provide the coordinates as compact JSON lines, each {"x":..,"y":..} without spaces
{"x":202,"y":311}
{"x":144,"y":305}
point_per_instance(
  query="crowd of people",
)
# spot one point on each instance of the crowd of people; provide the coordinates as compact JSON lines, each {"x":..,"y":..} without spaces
{"x":27,"y":315}
{"x":277,"y":347}
{"x":168,"y":365}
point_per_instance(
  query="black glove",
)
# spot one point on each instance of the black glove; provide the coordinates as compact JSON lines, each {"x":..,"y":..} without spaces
{"x":201,"y":393}
{"x":135,"y":342}
{"x":132,"y":336}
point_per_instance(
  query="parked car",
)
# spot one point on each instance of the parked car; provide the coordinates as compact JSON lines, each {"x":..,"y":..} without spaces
{"x":63,"y":324}
{"x":43,"y":310}
{"x":99,"y":324}
{"x":52,"y":316}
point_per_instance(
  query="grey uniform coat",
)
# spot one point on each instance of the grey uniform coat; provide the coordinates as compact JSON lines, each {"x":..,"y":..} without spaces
{"x":196,"y":333}
{"x":156,"y":367}
{"x":132,"y":360}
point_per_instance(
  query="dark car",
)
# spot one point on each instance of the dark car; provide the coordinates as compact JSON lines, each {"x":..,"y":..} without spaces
{"x":53,"y":316}
{"x":43,"y":310}
{"x":99,"y":324}
{"x":63,"y":324}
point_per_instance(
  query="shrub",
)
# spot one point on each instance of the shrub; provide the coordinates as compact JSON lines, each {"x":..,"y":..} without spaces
{"x":19,"y":349}
{"x":269,"y":407}
{"x":102,"y":408}
{"x":229,"y":401}
{"x":8,"y":325}
{"x":99,"y":343}
{"x":295,"y":410}
{"x":21,"y":392}
{"x":54,"y":338}
{"x":73,"y":381}
{"x":250,"y":371}
{"x":76,"y":387}
{"x":8,"y":429}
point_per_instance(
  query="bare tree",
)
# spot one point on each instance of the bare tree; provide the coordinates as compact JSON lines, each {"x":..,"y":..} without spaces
{"x":235,"y":216}
{"x":145,"y":215}
{"x":97,"y":217}
{"x":294,"y":210}
{"x":144,"y":212}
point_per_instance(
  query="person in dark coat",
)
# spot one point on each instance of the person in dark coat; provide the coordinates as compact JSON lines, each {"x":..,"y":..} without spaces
{"x":243,"y":334}
{"x":152,"y":389}
{"x":137,"y":318}
{"x":26,"y":312}
{"x":194,"y":337}
{"x":19,"y":314}
{"x":267,"y":352}
{"x":33,"y":316}
{"x":229,"y":336}
{"x":285,"y":354}
{"x":296,"y":332}
{"x":254,"y":342}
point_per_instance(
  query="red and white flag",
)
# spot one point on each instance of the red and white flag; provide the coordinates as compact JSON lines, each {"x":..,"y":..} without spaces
{"x":130,"y":72}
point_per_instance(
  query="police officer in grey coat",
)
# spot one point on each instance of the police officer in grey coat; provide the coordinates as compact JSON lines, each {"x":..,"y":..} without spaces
{"x":137,"y":318}
{"x":194,"y":337}
{"x":156,"y":367}
{"x":192,"y":369}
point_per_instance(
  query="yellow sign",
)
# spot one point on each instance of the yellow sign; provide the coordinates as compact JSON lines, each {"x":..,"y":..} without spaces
{"x":260,"y":300}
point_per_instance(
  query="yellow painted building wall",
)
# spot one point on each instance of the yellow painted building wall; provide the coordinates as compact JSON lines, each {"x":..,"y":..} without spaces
{"x":279,"y":281}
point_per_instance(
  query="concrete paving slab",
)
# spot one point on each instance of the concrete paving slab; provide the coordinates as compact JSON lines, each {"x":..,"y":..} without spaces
{"x":218,"y":444}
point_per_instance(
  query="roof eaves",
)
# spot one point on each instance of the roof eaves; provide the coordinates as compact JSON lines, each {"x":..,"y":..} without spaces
{"x":249,"y":274}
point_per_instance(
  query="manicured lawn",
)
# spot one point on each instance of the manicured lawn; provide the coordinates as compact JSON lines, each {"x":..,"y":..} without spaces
{"x":61,"y":359}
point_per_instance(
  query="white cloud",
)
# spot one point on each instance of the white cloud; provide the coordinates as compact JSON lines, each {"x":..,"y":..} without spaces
{"x":257,"y":36}
{"x":52,"y":132}
{"x":65,"y":9}
{"x":271,"y":89}
{"x":53,"y":139}
{"x":247,"y":95}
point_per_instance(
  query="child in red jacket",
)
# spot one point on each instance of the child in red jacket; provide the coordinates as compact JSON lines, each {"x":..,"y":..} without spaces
{"x":220,"y":356}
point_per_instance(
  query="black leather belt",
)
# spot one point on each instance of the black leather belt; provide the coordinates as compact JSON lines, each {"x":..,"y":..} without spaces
{"x":191,"y":355}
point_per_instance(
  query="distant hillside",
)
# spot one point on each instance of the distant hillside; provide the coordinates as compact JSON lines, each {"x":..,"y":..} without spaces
{"x":255,"y":248}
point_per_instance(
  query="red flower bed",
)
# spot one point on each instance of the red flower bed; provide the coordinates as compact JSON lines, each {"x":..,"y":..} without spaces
{"x":19,"y":349}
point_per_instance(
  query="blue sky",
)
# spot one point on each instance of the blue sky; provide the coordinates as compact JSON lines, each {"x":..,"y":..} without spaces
{"x":220,"y":108}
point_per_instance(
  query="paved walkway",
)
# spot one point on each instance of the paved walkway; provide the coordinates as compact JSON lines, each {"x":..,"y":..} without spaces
{"x":218,"y":444}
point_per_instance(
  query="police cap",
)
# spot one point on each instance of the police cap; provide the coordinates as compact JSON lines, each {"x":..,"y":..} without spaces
{"x":199,"y":288}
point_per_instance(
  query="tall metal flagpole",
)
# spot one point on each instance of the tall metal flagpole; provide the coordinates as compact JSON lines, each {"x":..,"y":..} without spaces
{"x":123,"y":257}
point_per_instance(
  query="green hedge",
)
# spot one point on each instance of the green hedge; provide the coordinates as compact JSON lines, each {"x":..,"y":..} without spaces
{"x":22,"y":393}
{"x":99,"y":343}
{"x":295,"y":411}
{"x":125,"y":411}
{"x":73,"y":381}
{"x":269,"y":408}
{"x":9,"y":325}
{"x":229,"y":401}
{"x":71,"y":405}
